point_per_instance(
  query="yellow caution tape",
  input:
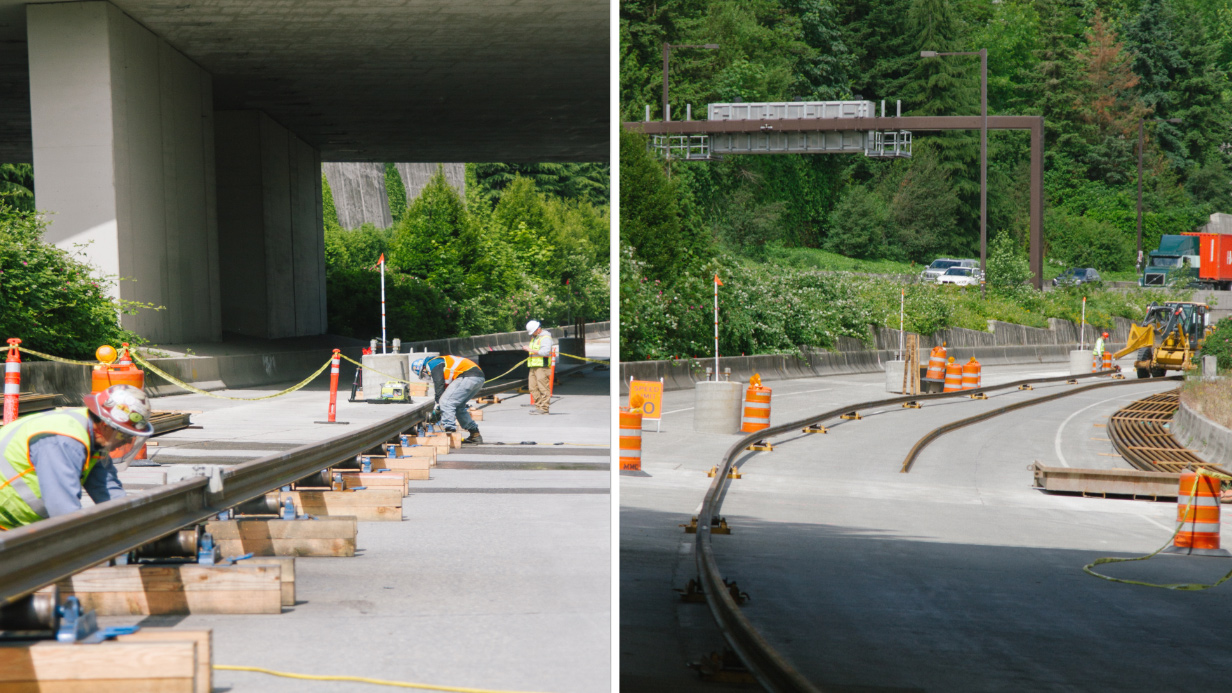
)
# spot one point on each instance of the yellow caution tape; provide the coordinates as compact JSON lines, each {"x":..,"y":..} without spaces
{"x":193,"y":388}
{"x":57,"y":359}
{"x":583,"y":358}
{"x":1182,"y":586}
{"x":359,"y":679}
{"x":400,"y":380}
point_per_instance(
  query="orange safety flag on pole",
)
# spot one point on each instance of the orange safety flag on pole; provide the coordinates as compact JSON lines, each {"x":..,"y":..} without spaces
{"x":716,"y":280}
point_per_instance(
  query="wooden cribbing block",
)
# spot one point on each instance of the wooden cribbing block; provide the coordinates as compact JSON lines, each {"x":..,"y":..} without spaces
{"x":287,"y":564}
{"x":327,"y":536}
{"x":47,"y":666}
{"x":435,"y":441}
{"x":476,"y":414}
{"x":125,"y":590}
{"x":378,"y":479}
{"x":455,"y":439}
{"x":412,"y":467}
{"x":205,"y":649}
{"x":429,"y":451}
{"x":371,"y":505}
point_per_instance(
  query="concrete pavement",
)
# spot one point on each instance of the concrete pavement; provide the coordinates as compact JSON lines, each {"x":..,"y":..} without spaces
{"x":957,"y":576}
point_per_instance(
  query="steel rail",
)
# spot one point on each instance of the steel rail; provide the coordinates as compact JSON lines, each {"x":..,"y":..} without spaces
{"x":42,"y":553}
{"x":771,"y":669}
{"x":992,"y":413}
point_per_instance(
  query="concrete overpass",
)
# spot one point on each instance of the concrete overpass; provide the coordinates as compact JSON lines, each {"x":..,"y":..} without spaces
{"x":183,"y":140}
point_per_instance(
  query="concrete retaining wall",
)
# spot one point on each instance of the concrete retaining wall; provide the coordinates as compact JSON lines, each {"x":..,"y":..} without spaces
{"x":1210,"y":440}
{"x":251,"y":370}
{"x":1005,"y":344}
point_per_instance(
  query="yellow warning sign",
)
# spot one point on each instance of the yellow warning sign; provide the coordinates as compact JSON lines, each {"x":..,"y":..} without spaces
{"x":650,"y":392}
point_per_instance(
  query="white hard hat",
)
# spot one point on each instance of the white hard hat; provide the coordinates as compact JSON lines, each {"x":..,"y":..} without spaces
{"x":124,"y":408}
{"x":532,"y":326}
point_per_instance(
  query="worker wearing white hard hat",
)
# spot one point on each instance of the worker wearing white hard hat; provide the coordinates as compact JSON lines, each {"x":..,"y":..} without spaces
{"x":539,"y":361}
{"x":48,"y":459}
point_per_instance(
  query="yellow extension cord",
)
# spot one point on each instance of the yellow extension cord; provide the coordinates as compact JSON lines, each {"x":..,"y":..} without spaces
{"x":1182,"y":586}
{"x":360,"y":679}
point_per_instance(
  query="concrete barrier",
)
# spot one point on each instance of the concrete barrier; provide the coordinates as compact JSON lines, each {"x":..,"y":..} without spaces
{"x":211,"y":373}
{"x":1212,"y":441}
{"x":1004,"y":344}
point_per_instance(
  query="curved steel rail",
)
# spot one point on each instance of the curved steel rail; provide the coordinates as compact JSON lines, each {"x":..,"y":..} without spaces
{"x":992,"y":413}
{"x":40,"y":554}
{"x":1139,"y":434}
{"x":770,"y":668}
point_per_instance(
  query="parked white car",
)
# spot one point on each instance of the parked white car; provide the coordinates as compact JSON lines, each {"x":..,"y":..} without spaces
{"x":962,"y":276}
{"x":940,"y":265}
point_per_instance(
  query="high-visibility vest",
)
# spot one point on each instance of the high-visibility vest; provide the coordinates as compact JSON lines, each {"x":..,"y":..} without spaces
{"x":21,"y":499}
{"x":457,"y":365}
{"x":535,"y":360}
{"x":1099,"y":346}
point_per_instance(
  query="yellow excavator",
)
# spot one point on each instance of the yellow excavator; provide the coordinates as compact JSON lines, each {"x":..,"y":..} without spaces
{"x":1167,"y":339}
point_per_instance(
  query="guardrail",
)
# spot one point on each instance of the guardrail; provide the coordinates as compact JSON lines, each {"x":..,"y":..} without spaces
{"x":770,"y":668}
{"x":42,"y":553}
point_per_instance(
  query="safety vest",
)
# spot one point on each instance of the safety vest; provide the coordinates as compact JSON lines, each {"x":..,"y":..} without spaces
{"x":455,"y":366}
{"x":1099,"y":346}
{"x":535,"y":360}
{"x":21,"y":500}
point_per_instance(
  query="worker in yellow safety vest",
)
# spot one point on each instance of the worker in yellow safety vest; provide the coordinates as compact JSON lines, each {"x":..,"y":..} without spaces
{"x":48,"y":459}
{"x":1099,"y":345}
{"x":455,"y":381}
{"x":539,"y":362}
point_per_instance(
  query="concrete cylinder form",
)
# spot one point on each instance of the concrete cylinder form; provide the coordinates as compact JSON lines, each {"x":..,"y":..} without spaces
{"x":717,"y":406}
{"x":894,"y":372}
{"x":1080,"y":361}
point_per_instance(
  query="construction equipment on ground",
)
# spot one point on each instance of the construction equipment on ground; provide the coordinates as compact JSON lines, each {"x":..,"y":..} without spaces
{"x":1167,"y":339}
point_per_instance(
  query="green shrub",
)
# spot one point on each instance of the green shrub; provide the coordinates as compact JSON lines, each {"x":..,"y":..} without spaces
{"x":1219,"y":344}
{"x":1081,"y":241}
{"x":49,"y":298}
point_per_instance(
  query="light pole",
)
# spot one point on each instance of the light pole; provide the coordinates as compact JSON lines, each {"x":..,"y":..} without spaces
{"x":667,"y":51}
{"x":983,"y":53}
{"x":1141,"y":140}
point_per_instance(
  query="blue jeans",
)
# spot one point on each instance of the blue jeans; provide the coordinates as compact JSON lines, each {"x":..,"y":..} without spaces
{"x":454,"y":403}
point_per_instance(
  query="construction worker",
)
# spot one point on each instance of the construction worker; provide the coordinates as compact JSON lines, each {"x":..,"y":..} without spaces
{"x":1099,"y":346}
{"x":456,"y":380}
{"x":540,"y":365}
{"x":48,"y":459}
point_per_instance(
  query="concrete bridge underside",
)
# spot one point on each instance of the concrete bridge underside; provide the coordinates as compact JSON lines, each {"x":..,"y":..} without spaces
{"x":183,"y":140}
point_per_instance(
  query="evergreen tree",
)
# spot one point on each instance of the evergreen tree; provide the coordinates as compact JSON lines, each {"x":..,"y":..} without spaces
{"x":1161,"y":64}
{"x":1108,"y":104}
{"x":396,"y":192}
{"x":17,"y":186}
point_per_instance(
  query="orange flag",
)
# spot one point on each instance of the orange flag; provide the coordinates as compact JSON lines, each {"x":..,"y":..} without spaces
{"x":716,"y":280}
{"x":382,"y":260}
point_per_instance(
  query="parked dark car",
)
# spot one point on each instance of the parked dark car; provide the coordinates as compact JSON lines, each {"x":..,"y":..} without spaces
{"x":1077,"y":275}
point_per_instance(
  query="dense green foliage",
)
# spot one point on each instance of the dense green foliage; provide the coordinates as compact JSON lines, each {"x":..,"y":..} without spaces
{"x":1093,"y":68}
{"x":459,"y":267}
{"x":1219,"y":344}
{"x":49,"y":298}
{"x":17,"y":185}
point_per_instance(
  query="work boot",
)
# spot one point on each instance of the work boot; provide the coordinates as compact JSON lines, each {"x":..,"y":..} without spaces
{"x":474,"y":439}
{"x":537,"y":412}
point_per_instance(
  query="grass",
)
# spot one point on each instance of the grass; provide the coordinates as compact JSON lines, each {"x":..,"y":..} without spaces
{"x":1212,"y":399}
{"x":816,"y":259}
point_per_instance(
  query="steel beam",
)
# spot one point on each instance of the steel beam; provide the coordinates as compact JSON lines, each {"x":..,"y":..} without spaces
{"x":1035,"y":124}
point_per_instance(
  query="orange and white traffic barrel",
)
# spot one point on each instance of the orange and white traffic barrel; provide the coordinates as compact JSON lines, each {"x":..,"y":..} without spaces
{"x":953,"y":376}
{"x":12,"y":381}
{"x":756,"y":407}
{"x":936,"y":364}
{"x":971,"y":374}
{"x":1107,"y":360}
{"x":1197,"y":509}
{"x":630,"y":439}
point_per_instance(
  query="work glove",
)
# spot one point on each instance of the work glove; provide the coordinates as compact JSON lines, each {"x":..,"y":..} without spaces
{"x":435,"y":415}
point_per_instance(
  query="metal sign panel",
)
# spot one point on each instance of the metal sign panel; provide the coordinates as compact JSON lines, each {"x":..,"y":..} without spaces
{"x":790,"y":110}
{"x":771,"y":142}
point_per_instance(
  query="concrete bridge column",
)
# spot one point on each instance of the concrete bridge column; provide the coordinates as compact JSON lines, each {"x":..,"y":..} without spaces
{"x":123,"y":130}
{"x":270,"y":230}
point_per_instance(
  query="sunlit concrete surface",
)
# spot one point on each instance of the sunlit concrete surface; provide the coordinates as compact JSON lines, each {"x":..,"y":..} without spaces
{"x":499,"y":576}
{"x":955,"y":577}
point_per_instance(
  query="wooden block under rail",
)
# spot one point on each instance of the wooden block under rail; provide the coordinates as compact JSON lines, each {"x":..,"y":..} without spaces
{"x":327,"y":536}
{"x":45,"y":666}
{"x":476,"y":414}
{"x":435,"y":441}
{"x":205,"y":649}
{"x":378,"y":479}
{"x":127,"y":590}
{"x":411,"y":467}
{"x":425,"y":450}
{"x":373,"y":505}
{"x":287,"y":577}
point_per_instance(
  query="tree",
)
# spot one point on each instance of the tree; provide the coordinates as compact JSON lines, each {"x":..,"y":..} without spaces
{"x":649,"y":213}
{"x":435,"y":241}
{"x":1108,"y":103}
{"x":17,"y":186}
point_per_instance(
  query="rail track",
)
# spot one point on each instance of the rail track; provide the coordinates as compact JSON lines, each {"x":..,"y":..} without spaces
{"x":38,"y":555}
{"x":770,"y":668}
{"x":1138,"y":432}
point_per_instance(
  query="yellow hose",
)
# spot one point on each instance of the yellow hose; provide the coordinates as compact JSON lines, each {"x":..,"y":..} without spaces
{"x":360,"y":679}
